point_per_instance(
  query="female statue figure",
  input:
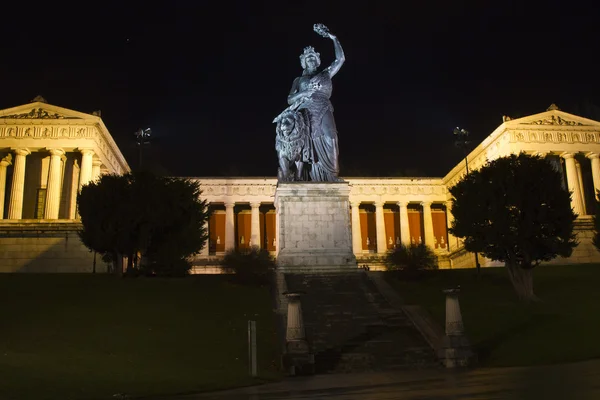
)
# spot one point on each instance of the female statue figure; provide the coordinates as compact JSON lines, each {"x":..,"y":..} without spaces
{"x":309,"y":96}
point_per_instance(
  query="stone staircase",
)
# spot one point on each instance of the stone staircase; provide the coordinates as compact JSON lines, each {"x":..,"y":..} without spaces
{"x":352,"y":328}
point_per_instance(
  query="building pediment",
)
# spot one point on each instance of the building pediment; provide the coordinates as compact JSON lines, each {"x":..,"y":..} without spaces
{"x":42,"y":110}
{"x":552,"y":117}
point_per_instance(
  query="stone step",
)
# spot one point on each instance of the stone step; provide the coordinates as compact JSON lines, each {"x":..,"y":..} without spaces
{"x":352,"y":328}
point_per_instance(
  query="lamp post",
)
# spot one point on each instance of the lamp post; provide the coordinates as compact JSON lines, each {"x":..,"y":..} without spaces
{"x":142,"y":137}
{"x":461,"y":141}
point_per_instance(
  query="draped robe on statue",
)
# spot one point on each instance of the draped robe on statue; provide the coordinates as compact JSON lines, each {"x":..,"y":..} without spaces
{"x":318,"y":112}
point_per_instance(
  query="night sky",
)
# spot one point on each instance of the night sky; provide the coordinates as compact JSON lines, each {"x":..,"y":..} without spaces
{"x":209,"y":77}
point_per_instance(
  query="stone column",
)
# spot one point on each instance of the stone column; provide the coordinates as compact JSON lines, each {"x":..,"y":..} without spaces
{"x":380,"y":225}
{"x":85,"y":173}
{"x":356,"y":233}
{"x":74,"y":190}
{"x":428,"y":224}
{"x":96,"y":164}
{"x":255,"y":225}
{"x":581,"y":191}
{"x":54,"y":183}
{"x":229,"y":227}
{"x":573,"y":183}
{"x":205,"y":250}
{"x":4,"y":163}
{"x":595,"y":161}
{"x":15,"y":206}
{"x":404,"y":226}
{"x":452,"y":241}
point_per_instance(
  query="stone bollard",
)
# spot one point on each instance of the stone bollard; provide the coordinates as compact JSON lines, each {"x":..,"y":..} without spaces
{"x":456,"y":351}
{"x":295,"y":324}
{"x":454,"y":323}
{"x":298,"y":360}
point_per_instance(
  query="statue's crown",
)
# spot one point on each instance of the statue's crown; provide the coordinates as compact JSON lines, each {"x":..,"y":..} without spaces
{"x":309,"y":50}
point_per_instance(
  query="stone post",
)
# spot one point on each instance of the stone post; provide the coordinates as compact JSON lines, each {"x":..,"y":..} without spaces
{"x":54,"y":183}
{"x":255,"y":225}
{"x":85,"y":173}
{"x":428,"y":225}
{"x":380,"y":227}
{"x":356,"y":233}
{"x":573,"y":183}
{"x":15,"y":206}
{"x":456,"y":351}
{"x":295,"y":323}
{"x":229,"y":226}
{"x":298,"y":358}
{"x":595,"y":161}
{"x":404,"y":226}
{"x":454,"y":322}
{"x":4,"y":163}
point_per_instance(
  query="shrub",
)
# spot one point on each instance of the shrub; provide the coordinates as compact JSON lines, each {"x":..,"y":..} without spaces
{"x":251,"y":266}
{"x":412,"y":261}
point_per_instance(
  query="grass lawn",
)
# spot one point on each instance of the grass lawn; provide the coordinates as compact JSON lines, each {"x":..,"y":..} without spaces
{"x":564,"y":327}
{"x":93,"y":336}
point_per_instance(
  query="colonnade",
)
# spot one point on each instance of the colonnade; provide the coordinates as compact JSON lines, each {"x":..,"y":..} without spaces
{"x":229,"y":233}
{"x":574,"y":178}
{"x":90,"y":169}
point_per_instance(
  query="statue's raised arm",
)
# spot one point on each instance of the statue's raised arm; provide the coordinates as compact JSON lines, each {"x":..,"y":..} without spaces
{"x":339,"y":52}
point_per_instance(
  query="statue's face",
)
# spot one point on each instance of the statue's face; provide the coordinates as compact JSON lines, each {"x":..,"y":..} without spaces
{"x":311,"y":61}
{"x":287,"y":125}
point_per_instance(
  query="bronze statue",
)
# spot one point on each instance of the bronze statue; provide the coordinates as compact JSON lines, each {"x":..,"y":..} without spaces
{"x":317,"y":157}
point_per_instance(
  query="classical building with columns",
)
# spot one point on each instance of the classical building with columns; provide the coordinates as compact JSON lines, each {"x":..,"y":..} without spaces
{"x":49,"y":152}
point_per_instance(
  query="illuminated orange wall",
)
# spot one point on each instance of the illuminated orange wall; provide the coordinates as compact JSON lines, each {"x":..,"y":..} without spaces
{"x":368,"y":230}
{"x":392,"y":228}
{"x":242,"y":236}
{"x":415,"y":218}
{"x":267,"y":239}
{"x":440,"y":229}
{"x":216,"y":231}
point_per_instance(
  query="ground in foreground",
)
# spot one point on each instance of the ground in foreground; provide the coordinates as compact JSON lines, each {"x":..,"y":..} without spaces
{"x":94,"y":336}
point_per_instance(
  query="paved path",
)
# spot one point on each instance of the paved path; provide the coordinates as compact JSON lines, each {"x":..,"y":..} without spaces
{"x":566,"y":381}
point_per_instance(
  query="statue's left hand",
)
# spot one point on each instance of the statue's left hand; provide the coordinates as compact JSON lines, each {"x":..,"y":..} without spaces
{"x":323,"y":31}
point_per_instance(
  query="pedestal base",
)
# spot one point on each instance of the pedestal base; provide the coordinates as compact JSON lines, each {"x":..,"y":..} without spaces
{"x":313,"y":227}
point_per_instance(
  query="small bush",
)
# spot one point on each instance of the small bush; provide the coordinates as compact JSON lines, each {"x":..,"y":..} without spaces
{"x":411,"y":262}
{"x":251,"y":266}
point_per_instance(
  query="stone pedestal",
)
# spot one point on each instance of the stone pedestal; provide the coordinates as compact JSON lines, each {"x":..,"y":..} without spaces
{"x":298,"y":359}
{"x":313,"y":227}
{"x":456,"y":349}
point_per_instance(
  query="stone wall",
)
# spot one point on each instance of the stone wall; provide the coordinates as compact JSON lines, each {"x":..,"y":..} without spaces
{"x":34,"y":246}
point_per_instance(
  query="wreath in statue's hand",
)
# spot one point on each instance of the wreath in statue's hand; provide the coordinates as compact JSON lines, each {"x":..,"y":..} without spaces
{"x":322,"y":30}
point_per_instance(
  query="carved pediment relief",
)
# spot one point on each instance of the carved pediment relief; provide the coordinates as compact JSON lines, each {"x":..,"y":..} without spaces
{"x":554,"y":120}
{"x":38,"y":113}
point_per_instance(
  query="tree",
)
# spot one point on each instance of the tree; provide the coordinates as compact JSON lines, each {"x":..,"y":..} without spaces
{"x":514,"y":210}
{"x":163,"y":219}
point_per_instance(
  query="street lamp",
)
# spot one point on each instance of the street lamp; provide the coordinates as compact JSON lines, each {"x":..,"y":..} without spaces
{"x":142,"y":137}
{"x":461,"y":141}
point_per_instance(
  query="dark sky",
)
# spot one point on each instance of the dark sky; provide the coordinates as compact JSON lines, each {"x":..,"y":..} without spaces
{"x":209,"y":77}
